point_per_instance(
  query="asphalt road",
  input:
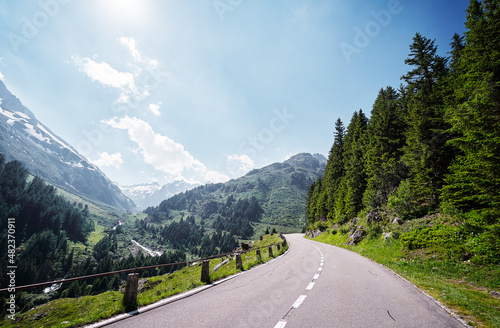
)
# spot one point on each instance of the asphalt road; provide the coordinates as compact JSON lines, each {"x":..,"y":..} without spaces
{"x":313,"y":285}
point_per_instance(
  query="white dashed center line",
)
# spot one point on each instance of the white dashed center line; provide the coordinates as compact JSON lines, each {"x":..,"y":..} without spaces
{"x":298,"y":302}
{"x":280,"y":324}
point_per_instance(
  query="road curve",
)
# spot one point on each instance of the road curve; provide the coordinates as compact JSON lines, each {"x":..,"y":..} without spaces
{"x":313,"y":285}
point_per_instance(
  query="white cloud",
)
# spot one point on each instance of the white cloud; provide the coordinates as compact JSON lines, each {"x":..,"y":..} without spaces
{"x":163,"y":153}
{"x":106,"y":159}
{"x":215,"y":177}
{"x":155,"y":108}
{"x":106,"y":74}
{"x":241,"y":162}
{"x":131,"y":45}
{"x":134,"y":86}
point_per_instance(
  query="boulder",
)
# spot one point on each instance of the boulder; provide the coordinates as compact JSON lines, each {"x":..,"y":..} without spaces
{"x":398,"y":221}
{"x":374,"y":216}
{"x":495,"y":294}
{"x":356,"y":236}
{"x":353,"y":225}
{"x":314,"y":233}
{"x":387,"y":235}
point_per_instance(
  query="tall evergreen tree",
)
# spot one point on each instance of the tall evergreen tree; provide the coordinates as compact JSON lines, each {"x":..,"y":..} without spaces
{"x":457,"y":47}
{"x":426,"y":155}
{"x":312,"y":201}
{"x":385,"y":140}
{"x":354,"y":181}
{"x":334,"y":170}
{"x":474,"y":181}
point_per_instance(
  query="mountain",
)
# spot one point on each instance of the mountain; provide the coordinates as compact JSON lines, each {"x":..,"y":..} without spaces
{"x":152,"y":194}
{"x":43,"y":153}
{"x":280,"y":190}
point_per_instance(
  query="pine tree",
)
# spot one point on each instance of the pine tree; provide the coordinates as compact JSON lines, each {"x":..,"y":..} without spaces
{"x":334,"y":170}
{"x":474,"y":180}
{"x":385,"y":139}
{"x":311,"y":200}
{"x":457,"y":47}
{"x":354,"y":180}
{"x":315,"y":191}
{"x":426,"y":154}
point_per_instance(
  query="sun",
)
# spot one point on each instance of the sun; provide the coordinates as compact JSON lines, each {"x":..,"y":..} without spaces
{"x":126,"y":10}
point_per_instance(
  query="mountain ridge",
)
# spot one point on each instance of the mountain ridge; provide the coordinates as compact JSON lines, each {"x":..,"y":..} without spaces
{"x":25,"y":139}
{"x":280,"y":189}
{"x":151,"y":194}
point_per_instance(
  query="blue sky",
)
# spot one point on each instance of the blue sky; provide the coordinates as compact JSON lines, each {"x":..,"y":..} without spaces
{"x":164,"y":90}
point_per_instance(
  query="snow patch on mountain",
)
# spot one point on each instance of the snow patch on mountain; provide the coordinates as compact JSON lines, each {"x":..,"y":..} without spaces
{"x":24,"y":138}
{"x":151,"y":194}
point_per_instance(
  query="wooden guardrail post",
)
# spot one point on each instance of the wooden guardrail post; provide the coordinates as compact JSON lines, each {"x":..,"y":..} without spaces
{"x":259,"y":256}
{"x":271,"y":251}
{"x":205,"y":271}
{"x":131,"y":289}
{"x":239,"y":264}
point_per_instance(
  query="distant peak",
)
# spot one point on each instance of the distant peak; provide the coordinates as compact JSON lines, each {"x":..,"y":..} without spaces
{"x":300,"y":157}
{"x":321,"y":158}
{"x":306,"y":161}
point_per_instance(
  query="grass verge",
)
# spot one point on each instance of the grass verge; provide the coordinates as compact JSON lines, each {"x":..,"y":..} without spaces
{"x":461,"y":286}
{"x":76,"y":312}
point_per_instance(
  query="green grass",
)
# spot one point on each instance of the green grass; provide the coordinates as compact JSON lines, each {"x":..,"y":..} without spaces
{"x":70,"y":312}
{"x":76,"y":312}
{"x":459,"y":285}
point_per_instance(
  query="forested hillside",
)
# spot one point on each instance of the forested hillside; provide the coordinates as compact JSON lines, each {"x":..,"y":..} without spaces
{"x":430,"y":150}
{"x":273,"y":195}
{"x":51,"y":241}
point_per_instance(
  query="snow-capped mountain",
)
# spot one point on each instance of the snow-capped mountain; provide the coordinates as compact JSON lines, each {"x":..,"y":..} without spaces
{"x":25,"y":139}
{"x":152,"y":194}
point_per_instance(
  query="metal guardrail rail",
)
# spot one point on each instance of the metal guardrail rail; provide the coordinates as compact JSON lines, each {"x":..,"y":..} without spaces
{"x":132,"y":270}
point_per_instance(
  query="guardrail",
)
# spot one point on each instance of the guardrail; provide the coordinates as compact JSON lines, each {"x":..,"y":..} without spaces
{"x":131,"y":287}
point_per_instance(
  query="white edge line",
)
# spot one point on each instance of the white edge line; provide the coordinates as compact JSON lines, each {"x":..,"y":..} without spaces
{"x":441,"y":305}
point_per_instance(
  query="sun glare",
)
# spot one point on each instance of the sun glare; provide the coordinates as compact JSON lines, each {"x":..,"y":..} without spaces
{"x":130,"y":10}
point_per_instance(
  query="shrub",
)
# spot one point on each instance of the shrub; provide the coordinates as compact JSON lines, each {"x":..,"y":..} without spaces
{"x":403,"y":203}
{"x":374,"y":231}
{"x":448,"y":240}
{"x":486,"y":245}
{"x":344,"y":230}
